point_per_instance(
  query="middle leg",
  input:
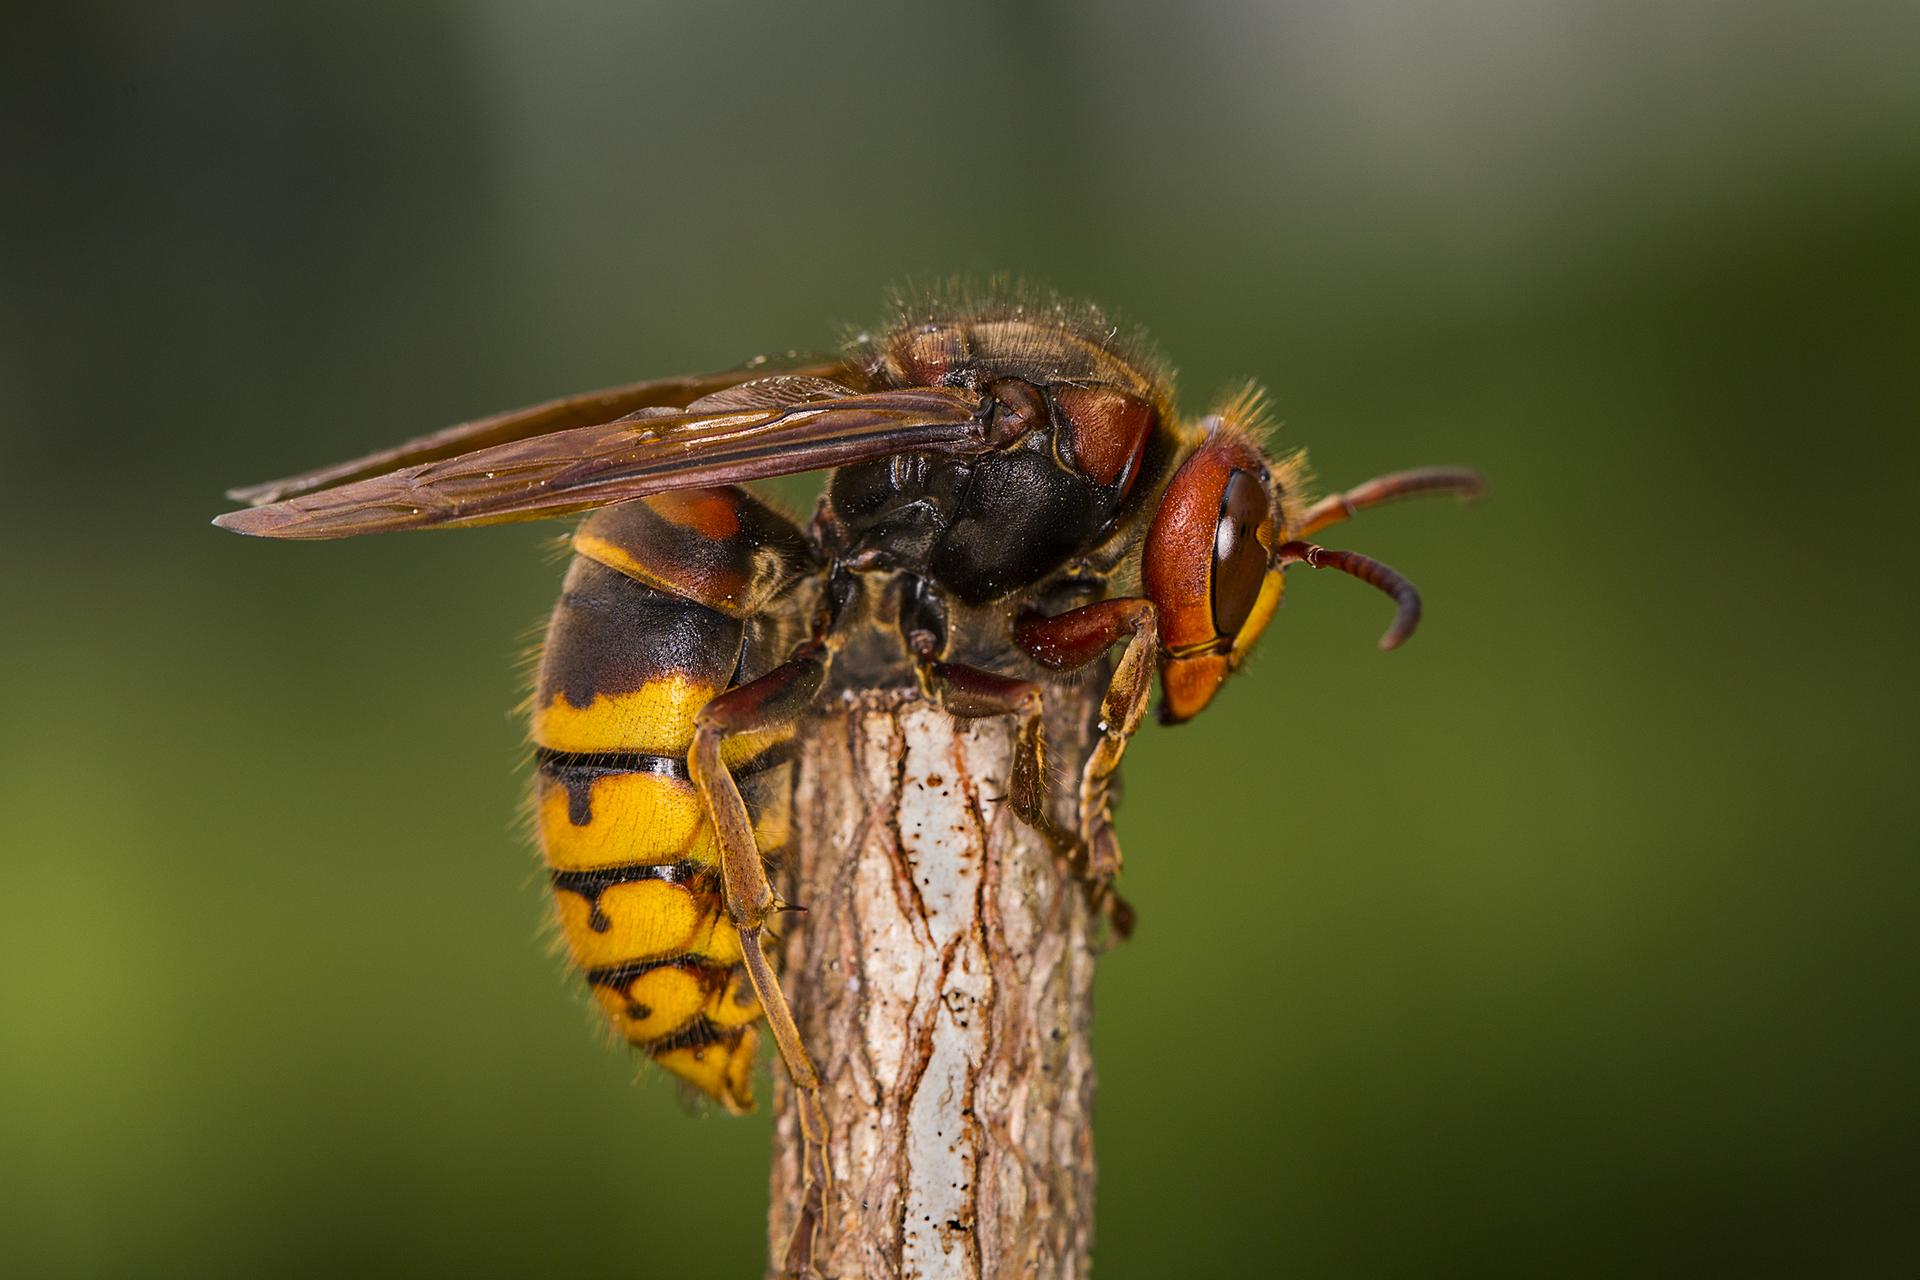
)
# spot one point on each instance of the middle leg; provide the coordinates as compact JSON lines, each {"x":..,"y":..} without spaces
{"x":972,"y":693}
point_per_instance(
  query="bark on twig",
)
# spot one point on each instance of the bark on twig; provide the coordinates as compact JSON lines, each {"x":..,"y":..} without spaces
{"x":943,"y":978}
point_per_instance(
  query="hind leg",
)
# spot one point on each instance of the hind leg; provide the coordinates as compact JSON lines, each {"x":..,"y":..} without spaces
{"x":722,"y":549}
{"x":775,"y":699}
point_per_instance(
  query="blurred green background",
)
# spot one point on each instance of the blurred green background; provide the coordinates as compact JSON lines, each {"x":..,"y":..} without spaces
{"x":1573,"y":939}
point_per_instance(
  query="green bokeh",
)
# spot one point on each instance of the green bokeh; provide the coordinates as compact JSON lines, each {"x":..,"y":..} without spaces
{"x":1572,"y":939}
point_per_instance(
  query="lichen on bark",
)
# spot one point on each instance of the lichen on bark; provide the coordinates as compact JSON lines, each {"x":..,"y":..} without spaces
{"x":942,"y":975}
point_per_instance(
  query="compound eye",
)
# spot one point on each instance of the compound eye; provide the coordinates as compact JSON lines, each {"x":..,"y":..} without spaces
{"x":1239,"y":557}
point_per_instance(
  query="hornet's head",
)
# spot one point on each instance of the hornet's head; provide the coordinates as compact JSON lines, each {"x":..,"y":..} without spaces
{"x":1229,"y":524}
{"x":1210,"y":564}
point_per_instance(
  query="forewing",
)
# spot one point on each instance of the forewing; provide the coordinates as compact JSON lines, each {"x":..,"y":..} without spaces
{"x":586,"y":409}
{"x":591,"y":466}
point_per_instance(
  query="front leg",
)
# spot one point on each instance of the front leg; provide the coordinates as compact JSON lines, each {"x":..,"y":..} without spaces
{"x":1071,"y":640}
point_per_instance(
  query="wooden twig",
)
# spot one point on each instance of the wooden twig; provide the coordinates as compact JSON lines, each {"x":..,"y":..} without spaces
{"x":943,"y":978}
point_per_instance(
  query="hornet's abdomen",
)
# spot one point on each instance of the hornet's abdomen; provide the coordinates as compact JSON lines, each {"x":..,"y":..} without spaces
{"x":666,"y":605}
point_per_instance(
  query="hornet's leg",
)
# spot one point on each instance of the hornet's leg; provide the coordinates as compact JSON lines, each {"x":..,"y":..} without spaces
{"x":970,"y":693}
{"x":774,"y":699}
{"x":1071,"y":640}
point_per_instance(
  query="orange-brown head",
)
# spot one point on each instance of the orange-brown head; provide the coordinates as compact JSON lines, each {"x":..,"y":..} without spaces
{"x":1211,"y":564}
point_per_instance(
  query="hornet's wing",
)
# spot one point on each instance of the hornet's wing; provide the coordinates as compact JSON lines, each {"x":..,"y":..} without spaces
{"x":751,"y":431}
{"x":583,"y":410}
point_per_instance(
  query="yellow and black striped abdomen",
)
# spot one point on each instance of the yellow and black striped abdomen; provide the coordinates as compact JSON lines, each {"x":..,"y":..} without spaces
{"x":653,"y":623}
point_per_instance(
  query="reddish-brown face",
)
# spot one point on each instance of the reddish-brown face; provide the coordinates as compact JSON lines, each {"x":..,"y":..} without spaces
{"x":1208,"y":567}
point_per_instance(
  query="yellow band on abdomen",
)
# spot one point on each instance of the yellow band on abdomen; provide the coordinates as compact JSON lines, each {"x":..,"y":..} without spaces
{"x":656,"y":718}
